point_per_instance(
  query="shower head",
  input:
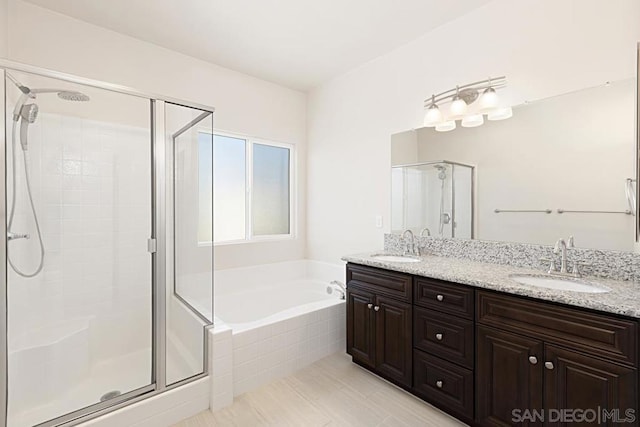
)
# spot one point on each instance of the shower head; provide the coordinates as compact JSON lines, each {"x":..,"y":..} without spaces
{"x":29,"y":112}
{"x":73,"y":96}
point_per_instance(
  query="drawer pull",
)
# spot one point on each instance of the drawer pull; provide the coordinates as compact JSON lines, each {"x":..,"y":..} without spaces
{"x":376,"y":308}
{"x":439,"y":337}
{"x":533,"y":360}
{"x":548,"y":365}
{"x":439,"y":384}
{"x":369,"y":306}
{"x":440,"y":297}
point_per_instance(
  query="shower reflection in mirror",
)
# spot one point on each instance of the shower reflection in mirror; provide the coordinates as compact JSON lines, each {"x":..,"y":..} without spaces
{"x":436,"y":196}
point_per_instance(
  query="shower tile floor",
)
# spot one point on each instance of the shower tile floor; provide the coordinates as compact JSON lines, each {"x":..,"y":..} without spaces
{"x":123,"y":374}
{"x":331,"y":392}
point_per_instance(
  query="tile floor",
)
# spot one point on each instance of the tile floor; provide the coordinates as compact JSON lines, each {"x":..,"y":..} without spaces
{"x":331,"y":392}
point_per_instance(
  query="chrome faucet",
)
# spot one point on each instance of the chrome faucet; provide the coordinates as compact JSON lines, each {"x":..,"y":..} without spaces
{"x":410,"y":247}
{"x":339,"y":286}
{"x":561,"y":247}
{"x":422,"y":232}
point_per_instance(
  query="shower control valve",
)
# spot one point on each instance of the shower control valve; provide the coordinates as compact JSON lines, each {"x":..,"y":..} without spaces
{"x":14,"y":236}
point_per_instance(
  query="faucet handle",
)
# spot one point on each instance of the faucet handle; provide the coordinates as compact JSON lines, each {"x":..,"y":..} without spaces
{"x":576,"y":267}
{"x":552,"y":264}
{"x":571,"y":243}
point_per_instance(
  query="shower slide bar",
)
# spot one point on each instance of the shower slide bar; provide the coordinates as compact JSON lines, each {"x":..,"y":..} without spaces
{"x":546,"y":211}
{"x":627,"y":212}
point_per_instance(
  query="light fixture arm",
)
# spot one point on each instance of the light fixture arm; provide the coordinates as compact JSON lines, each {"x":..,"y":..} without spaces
{"x":491,"y":82}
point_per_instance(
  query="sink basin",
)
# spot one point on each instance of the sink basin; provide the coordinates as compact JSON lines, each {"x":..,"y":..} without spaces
{"x":559,"y":283}
{"x":395,"y":258}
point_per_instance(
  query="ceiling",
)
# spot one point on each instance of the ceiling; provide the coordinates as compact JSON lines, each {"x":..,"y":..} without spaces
{"x":295,"y":43}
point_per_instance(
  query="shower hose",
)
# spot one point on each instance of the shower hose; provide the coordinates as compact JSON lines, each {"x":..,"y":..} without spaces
{"x":13,"y":204}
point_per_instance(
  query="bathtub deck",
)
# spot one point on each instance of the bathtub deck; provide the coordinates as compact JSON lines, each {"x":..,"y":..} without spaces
{"x":330,"y":392}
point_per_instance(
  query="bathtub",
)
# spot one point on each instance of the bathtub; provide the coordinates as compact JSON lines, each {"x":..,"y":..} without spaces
{"x":280,"y":319}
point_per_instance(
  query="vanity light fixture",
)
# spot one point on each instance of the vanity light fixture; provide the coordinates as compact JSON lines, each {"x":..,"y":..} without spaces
{"x":463,"y":106}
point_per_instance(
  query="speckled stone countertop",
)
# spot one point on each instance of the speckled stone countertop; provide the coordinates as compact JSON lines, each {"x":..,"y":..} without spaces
{"x":623,"y":297}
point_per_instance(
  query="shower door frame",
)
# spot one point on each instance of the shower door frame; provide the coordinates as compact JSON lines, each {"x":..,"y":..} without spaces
{"x":162,"y":217}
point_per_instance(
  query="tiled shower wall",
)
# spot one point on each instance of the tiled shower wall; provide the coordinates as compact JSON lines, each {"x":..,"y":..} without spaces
{"x":92,"y":190}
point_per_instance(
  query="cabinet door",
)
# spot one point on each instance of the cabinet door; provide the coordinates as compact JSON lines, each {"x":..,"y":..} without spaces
{"x":360,"y":326}
{"x":394,"y":339}
{"x":575,"y":381}
{"x":508,"y":378}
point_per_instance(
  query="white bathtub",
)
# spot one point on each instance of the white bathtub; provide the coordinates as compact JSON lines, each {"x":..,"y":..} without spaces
{"x":281,"y":319}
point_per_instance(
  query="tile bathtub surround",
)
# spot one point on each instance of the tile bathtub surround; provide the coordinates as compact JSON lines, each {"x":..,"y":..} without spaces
{"x":613,"y":265}
{"x":275,"y":350}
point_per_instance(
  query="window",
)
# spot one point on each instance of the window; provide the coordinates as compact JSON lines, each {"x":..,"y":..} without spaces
{"x":252,"y":182}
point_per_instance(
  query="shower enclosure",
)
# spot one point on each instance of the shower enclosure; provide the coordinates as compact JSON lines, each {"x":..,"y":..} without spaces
{"x":96,"y":198}
{"x":433,"y":199}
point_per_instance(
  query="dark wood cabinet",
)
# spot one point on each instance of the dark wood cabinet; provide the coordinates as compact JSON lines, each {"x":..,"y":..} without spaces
{"x":360,"y":326}
{"x":508,"y":376}
{"x":575,"y":380}
{"x":535,"y":356}
{"x":393,"y":339}
{"x":491,"y":358}
{"x":379,"y":322}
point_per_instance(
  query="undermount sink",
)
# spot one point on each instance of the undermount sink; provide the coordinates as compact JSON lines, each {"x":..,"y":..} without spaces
{"x":559,"y":283}
{"x":395,"y":258}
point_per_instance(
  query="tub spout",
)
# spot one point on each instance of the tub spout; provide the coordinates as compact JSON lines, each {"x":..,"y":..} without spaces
{"x":339,"y":286}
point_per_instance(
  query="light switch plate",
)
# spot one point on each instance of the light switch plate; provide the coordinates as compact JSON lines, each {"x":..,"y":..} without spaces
{"x":378,"y":221}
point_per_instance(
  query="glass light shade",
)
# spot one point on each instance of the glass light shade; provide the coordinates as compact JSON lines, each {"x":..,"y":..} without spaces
{"x":458,"y":108}
{"x":500,"y":113}
{"x":488,"y":100}
{"x":446,"y":126}
{"x":433,"y":116}
{"x":472,"y":120}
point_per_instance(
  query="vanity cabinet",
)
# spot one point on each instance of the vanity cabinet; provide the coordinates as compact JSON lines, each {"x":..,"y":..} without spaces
{"x":379,"y":322}
{"x":480,"y":354}
{"x":533,"y":355}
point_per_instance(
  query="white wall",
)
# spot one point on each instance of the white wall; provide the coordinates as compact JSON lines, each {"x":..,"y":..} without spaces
{"x":544,"y":47}
{"x":4,"y":32}
{"x":244,"y":104}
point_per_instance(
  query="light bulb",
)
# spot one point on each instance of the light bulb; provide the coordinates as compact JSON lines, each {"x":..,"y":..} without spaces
{"x":500,"y":113}
{"x":472,"y":120}
{"x":446,"y":126}
{"x":458,"y":108}
{"x":488,"y":100}
{"x":433,"y":116}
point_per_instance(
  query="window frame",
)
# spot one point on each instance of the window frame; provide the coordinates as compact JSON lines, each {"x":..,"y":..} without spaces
{"x":248,"y":219}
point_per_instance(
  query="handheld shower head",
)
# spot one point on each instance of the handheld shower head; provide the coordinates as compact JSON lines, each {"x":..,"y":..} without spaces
{"x":29,"y":114}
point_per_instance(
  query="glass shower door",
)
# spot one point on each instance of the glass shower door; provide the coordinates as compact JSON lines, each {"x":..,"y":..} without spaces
{"x":79,"y":273}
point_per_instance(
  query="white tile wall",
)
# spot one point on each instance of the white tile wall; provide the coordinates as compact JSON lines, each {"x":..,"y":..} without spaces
{"x":272,"y":351}
{"x":92,"y":190}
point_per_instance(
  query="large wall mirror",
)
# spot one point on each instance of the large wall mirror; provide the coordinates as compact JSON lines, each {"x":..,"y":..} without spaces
{"x":561,"y":166}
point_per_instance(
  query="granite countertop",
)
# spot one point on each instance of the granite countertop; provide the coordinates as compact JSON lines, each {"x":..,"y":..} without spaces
{"x":623,"y":297}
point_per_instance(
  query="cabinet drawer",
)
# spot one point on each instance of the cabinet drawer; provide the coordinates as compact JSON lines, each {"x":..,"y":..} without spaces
{"x":443,"y":296}
{"x":443,"y":335}
{"x":597,"y":334}
{"x":445,"y":384}
{"x":382,"y":282}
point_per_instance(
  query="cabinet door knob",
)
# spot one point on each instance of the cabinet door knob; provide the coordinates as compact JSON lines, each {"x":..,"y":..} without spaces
{"x":439,"y":337}
{"x":548,"y":365}
{"x":369,"y":306}
{"x":533,"y":360}
{"x":376,"y":308}
{"x":440,"y":297}
{"x":439,"y":384}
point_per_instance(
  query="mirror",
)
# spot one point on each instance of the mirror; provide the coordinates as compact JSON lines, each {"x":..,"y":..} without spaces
{"x":560,"y":166}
